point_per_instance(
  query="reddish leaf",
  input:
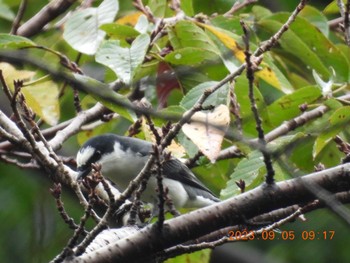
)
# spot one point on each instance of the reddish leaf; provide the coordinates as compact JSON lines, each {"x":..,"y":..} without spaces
{"x":166,"y":82}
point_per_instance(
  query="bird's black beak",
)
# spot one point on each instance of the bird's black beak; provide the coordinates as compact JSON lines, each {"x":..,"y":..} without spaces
{"x":83,"y":172}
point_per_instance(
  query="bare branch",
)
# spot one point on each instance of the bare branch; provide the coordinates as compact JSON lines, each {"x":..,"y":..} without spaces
{"x":237,"y":6}
{"x":44,"y":16}
{"x":264,"y":199}
{"x":19,"y":16}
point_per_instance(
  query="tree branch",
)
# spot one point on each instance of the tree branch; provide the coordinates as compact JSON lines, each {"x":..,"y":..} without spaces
{"x":226,"y":213}
{"x":44,"y":16}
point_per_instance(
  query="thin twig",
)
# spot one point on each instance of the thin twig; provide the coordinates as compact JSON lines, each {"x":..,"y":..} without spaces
{"x":102,"y":224}
{"x":347,"y":23}
{"x":19,"y":16}
{"x":44,"y":16}
{"x":160,"y":188}
{"x":250,"y":76}
{"x":237,"y":6}
{"x":56,"y":192}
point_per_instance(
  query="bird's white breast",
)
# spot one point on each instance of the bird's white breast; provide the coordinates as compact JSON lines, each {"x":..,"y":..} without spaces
{"x":121,"y":167}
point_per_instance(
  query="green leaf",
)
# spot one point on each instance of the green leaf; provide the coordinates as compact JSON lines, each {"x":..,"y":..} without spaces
{"x":268,"y":71}
{"x":242,"y":90}
{"x":337,"y":121}
{"x":316,"y":18}
{"x":292,"y":43}
{"x":186,"y":56}
{"x":12,"y":41}
{"x":304,"y":41}
{"x":158,"y":7}
{"x":252,"y":169}
{"x":332,"y":8}
{"x":119,"y":31}
{"x":260,"y":12}
{"x":248,"y":170}
{"x":220,"y":96}
{"x":187,"y":34}
{"x":6,"y":12}
{"x":82,"y":29}
{"x":123,"y":61}
{"x":102,"y":93}
{"x":187,"y":7}
{"x":287,"y":107}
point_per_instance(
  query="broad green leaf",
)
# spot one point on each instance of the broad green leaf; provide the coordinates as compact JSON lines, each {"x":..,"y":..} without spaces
{"x":309,"y":45}
{"x":158,"y":7}
{"x":287,"y":107}
{"x":252,"y":169}
{"x":260,"y":12}
{"x":268,"y":72}
{"x":330,"y":155}
{"x":187,"y":7}
{"x":6,"y":12}
{"x":337,"y":121}
{"x":102,"y":93}
{"x":186,"y":56}
{"x":228,"y":39}
{"x":187,"y":34}
{"x":248,"y":170}
{"x":210,"y":7}
{"x":82,"y":29}
{"x":12,"y":41}
{"x":292,"y":43}
{"x":231,"y":24}
{"x":315,"y":17}
{"x":123,"y":61}
{"x":241,"y":89}
{"x":119,"y":31}
{"x":220,"y":96}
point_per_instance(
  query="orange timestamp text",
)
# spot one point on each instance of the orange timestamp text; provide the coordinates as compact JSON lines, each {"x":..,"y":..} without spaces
{"x":245,"y":235}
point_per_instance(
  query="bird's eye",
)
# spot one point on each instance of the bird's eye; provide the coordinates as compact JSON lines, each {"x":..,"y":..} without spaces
{"x":97,"y":155}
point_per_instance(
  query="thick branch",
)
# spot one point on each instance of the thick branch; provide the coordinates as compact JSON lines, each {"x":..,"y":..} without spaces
{"x":233,"y":211}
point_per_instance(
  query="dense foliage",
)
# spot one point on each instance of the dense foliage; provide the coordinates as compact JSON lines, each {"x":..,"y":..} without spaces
{"x":281,"y":99}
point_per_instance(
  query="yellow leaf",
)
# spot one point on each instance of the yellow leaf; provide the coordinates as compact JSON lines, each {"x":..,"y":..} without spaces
{"x":41,"y":96}
{"x":228,"y":41}
{"x":265,"y":73}
{"x":130,"y":19}
{"x":10,"y":74}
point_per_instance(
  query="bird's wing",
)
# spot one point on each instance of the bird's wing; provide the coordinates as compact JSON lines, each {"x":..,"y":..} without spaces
{"x":141,"y":147}
{"x":176,"y":170}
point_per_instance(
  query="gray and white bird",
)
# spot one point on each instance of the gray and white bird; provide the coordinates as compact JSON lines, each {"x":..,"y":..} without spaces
{"x":122,"y":158}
